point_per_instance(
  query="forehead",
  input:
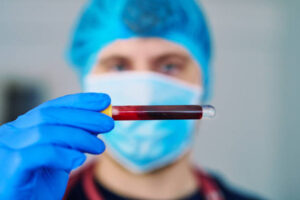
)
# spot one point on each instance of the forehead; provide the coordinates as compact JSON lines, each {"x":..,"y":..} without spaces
{"x":142,"y":47}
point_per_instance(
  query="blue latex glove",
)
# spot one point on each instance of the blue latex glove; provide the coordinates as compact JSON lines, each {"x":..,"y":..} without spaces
{"x":40,"y":148}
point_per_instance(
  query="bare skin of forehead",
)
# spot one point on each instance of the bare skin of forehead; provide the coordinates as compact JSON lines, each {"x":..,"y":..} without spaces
{"x":132,"y":47}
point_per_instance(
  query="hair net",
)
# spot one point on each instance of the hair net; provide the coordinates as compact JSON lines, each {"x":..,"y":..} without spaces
{"x":103,"y":21}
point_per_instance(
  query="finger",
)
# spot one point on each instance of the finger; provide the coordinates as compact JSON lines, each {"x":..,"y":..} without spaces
{"x":50,"y":156}
{"x":94,"y":122}
{"x":8,"y":168}
{"x":88,"y":101}
{"x":18,"y":165}
{"x":6,"y":131}
{"x":63,"y":136}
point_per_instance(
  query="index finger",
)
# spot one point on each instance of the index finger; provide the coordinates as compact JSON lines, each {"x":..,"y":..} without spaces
{"x":88,"y":101}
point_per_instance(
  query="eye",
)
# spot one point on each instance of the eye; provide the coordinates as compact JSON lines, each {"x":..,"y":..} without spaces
{"x":120,"y":67}
{"x":169,"y":68}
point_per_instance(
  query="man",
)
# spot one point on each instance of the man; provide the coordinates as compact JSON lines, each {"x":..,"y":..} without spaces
{"x":138,"y":53}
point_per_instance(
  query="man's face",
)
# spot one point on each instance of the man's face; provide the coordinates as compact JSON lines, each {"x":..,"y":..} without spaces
{"x":150,"y":55}
{"x":147,"y":55}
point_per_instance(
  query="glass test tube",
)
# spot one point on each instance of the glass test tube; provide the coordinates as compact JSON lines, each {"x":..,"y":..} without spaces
{"x":173,"y":112}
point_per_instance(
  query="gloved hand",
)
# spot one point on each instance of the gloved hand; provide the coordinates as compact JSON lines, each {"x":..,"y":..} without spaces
{"x":40,"y":148}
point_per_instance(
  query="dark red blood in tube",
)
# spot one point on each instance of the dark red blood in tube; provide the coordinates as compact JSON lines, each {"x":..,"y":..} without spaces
{"x":157,"y":112}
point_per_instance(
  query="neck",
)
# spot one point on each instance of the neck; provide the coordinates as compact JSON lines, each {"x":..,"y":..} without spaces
{"x":172,"y":182}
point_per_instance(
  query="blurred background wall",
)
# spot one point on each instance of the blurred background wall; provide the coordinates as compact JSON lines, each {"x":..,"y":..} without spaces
{"x":253,"y":142}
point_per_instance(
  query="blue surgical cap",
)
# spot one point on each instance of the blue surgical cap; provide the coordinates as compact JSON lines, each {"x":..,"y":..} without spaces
{"x":104,"y":21}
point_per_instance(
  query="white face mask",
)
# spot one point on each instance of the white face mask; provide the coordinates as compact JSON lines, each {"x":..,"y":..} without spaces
{"x":142,"y":146}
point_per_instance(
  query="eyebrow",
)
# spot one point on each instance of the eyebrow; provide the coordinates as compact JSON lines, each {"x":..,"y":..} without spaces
{"x":108,"y":59}
{"x":172,"y":55}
